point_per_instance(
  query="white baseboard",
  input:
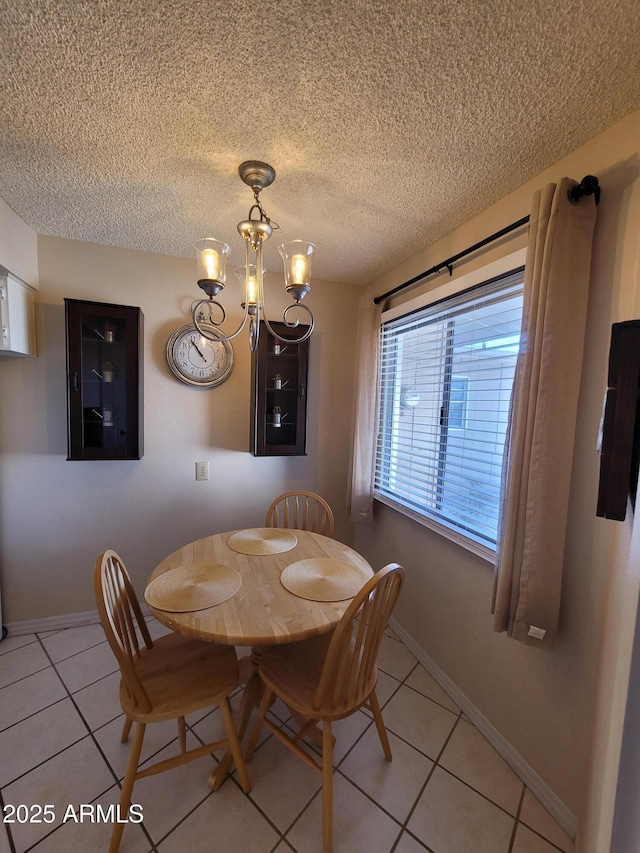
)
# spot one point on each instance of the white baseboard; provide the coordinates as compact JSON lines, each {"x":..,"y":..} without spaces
{"x":52,"y":623}
{"x":553,"y":804}
{"x":57,"y":623}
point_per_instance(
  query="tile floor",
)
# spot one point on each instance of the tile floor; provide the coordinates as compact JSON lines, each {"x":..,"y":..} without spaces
{"x":446,"y":790}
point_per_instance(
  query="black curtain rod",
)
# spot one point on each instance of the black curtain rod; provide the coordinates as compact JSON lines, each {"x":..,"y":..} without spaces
{"x":587,"y":186}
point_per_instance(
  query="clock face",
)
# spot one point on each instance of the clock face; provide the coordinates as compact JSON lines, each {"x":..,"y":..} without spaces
{"x":197,"y":360}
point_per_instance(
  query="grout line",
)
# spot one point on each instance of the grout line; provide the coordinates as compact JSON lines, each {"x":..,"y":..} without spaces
{"x":288,"y":829}
{"x":515,"y":825}
{"x":4,"y":652}
{"x":23,"y":677}
{"x":543,"y":837}
{"x":79,"y":712}
{"x":9,"y":834}
{"x":75,"y":654}
{"x":429,"y":775}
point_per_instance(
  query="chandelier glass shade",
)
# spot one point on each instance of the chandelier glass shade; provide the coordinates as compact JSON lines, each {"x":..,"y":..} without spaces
{"x":255,"y":230}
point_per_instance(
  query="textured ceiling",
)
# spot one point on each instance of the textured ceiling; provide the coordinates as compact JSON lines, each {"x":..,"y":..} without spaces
{"x":388,"y":123}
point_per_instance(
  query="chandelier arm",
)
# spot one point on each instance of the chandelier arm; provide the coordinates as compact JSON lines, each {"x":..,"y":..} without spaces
{"x":302,"y":338}
{"x":197,"y":306}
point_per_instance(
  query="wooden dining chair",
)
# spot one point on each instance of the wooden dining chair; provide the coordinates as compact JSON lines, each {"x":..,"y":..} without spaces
{"x":330,"y":677}
{"x":161,"y":680}
{"x":301,"y":511}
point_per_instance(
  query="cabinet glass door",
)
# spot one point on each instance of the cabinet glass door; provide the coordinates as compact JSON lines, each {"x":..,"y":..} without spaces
{"x":280,"y":394}
{"x":103,"y":345}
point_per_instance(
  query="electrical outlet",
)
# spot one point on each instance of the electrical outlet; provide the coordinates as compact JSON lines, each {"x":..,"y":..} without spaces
{"x":202,"y":470}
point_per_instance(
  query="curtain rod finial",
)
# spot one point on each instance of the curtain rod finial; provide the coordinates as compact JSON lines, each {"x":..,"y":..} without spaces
{"x":587,"y":186}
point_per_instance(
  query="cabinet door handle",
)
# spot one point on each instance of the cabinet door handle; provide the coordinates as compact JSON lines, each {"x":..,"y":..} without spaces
{"x":74,"y":381}
{"x":301,"y":391}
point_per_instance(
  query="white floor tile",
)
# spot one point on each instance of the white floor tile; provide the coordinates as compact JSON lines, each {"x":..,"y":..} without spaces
{"x":94,"y":836}
{"x":208,"y":725}
{"x":407,"y":844}
{"x":29,"y":695}
{"x":346,"y":732}
{"x":452,"y":818}
{"x":156,"y":737}
{"x":527,"y":841}
{"x":394,"y":784}
{"x":281,"y":784}
{"x":10,"y":644}
{"x":226,"y":821}
{"x":534,"y":814}
{"x":359,"y":826}
{"x":69,"y":642}
{"x":167,"y":798}
{"x":470,"y":757}
{"x":99,"y":703}
{"x":5,"y":847}
{"x":37,"y":738}
{"x":423,"y":723}
{"x":424,"y":683}
{"x":395,"y":659}
{"x":76,"y":775}
{"x":386,"y":687}
{"x":21,"y":662}
{"x":84,"y":668}
{"x":280,"y":711}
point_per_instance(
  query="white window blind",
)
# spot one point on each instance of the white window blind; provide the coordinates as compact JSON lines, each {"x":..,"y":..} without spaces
{"x":446,"y":373}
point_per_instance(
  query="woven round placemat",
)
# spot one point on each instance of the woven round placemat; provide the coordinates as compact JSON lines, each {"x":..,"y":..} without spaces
{"x":259,"y":541}
{"x":192,"y":587}
{"x":322,"y":579}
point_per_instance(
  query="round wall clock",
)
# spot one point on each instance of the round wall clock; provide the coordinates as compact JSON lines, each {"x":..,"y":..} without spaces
{"x":198,"y":361}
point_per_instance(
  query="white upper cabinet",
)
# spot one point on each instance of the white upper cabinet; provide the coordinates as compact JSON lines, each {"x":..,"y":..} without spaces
{"x":17,"y":317}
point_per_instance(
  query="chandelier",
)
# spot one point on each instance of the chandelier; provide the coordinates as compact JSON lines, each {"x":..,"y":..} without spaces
{"x":209,"y":315}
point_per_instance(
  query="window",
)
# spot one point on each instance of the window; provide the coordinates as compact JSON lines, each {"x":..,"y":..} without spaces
{"x":458,"y":399}
{"x":446,"y":374}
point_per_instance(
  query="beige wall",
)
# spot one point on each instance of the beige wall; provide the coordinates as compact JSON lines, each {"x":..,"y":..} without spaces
{"x":543,"y":702}
{"x":56,"y":516}
{"x":18,"y":246}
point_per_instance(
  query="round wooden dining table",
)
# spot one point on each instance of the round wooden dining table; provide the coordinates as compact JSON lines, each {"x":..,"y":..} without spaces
{"x":261,"y":611}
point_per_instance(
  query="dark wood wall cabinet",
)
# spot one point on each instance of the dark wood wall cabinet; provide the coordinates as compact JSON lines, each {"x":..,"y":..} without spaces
{"x":104,"y":381}
{"x":620,"y":440}
{"x":279,"y":394}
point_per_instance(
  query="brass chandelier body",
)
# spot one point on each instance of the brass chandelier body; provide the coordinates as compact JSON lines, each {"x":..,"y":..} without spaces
{"x":212,"y":258}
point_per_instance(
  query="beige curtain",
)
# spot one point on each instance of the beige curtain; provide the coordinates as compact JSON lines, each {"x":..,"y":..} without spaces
{"x":366,"y":411}
{"x":542,"y":421}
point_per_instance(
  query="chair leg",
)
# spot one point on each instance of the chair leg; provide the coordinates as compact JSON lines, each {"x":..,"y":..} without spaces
{"x":327,"y":787}
{"x":250,"y":700}
{"x":382,"y":732}
{"x":127,"y":786}
{"x":182,"y":734}
{"x":267,"y":699}
{"x":234,"y":744}
{"x":124,"y":737}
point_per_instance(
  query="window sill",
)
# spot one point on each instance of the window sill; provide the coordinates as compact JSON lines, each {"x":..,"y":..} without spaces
{"x":483,"y":551}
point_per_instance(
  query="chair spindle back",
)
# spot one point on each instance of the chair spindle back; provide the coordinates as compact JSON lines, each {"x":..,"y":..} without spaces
{"x":349,"y":671}
{"x":301,"y":511}
{"x":122,"y":620}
